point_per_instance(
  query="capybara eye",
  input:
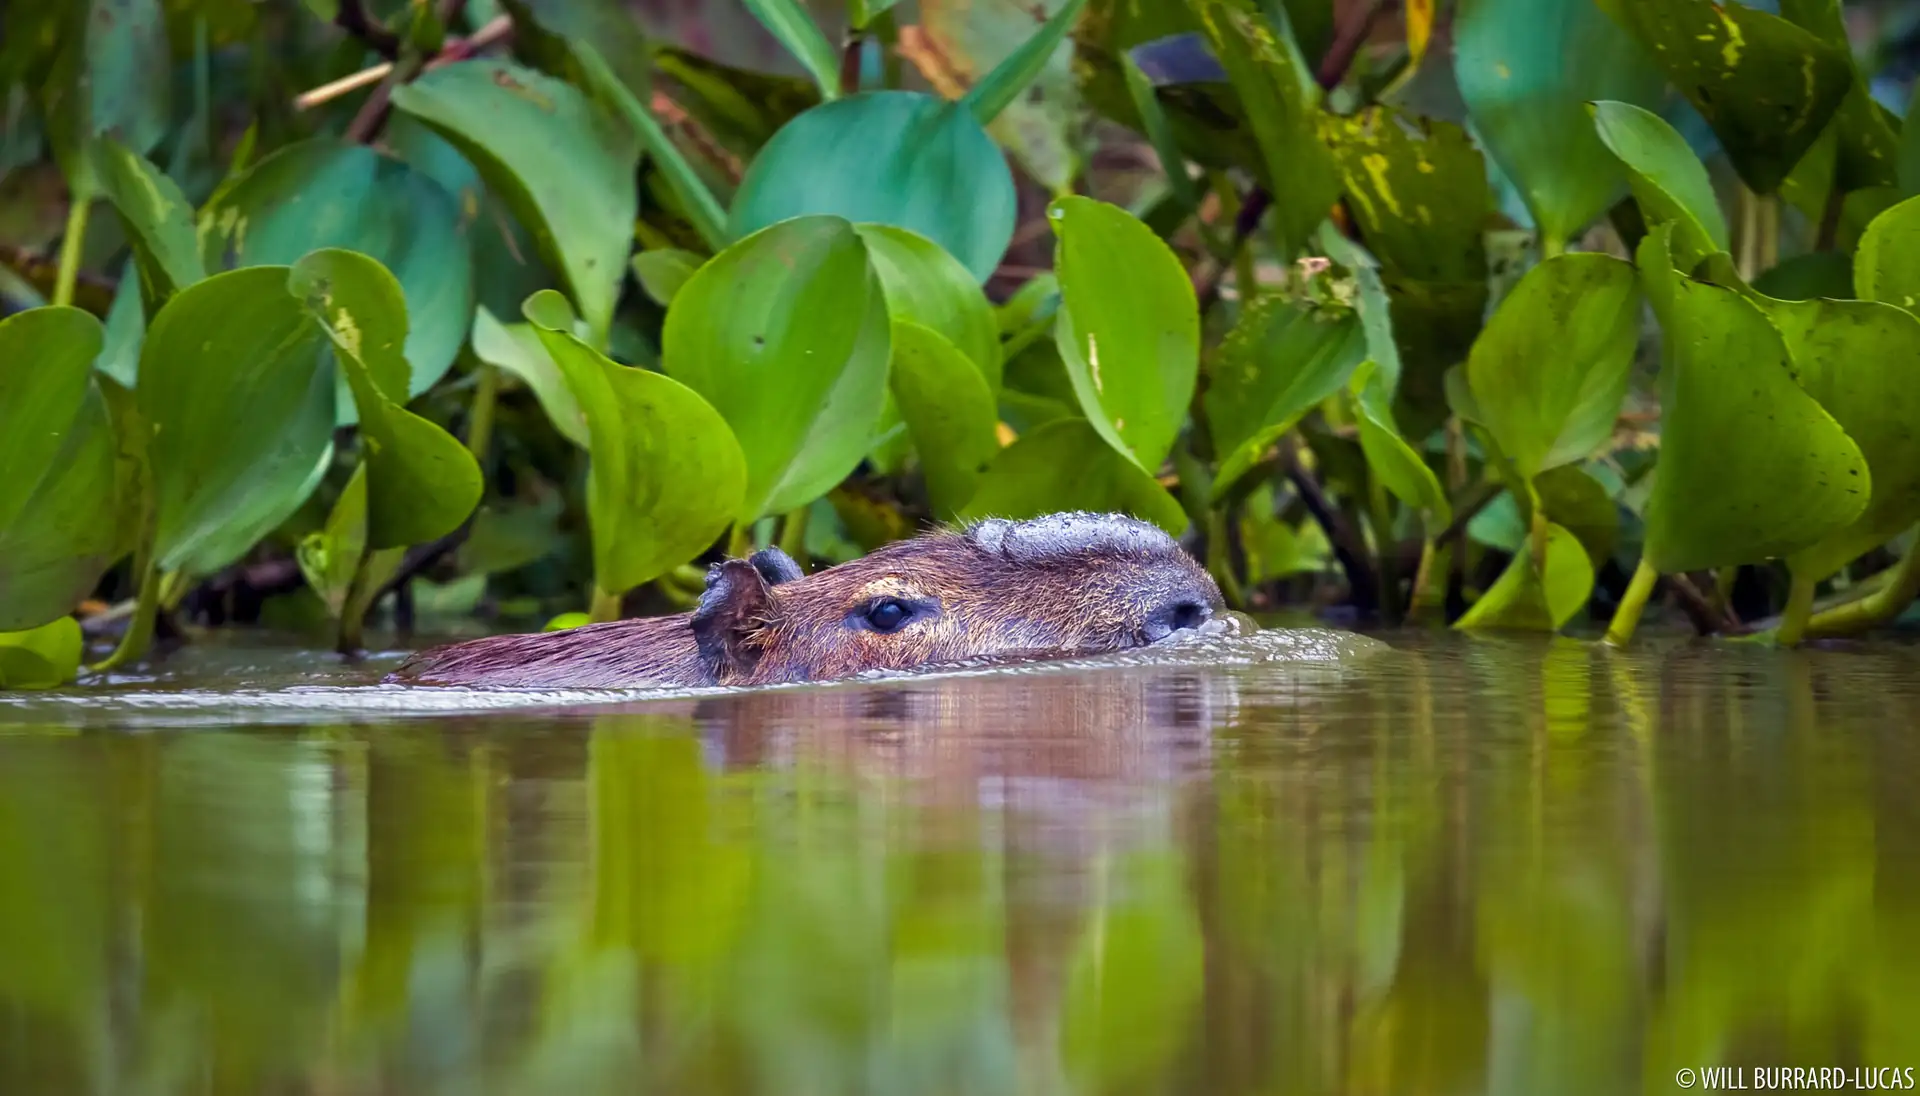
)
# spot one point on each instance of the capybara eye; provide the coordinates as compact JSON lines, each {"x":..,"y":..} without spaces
{"x":889,"y":615}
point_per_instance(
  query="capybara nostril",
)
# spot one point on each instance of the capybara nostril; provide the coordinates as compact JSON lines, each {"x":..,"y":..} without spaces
{"x":1182,"y":615}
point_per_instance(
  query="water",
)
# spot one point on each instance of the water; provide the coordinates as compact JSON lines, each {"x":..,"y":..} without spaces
{"x":1497,"y":866}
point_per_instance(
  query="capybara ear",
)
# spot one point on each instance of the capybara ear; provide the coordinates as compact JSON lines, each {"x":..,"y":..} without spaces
{"x":775,"y":566}
{"x":737,"y":604}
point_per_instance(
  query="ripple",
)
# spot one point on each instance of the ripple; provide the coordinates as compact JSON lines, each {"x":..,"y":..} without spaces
{"x":1234,"y":641}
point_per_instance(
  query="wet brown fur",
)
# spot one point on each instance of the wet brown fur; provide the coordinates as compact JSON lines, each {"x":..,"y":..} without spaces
{"x":977,"y":602}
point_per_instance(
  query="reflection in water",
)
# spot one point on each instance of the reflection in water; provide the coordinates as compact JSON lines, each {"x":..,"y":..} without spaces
{"x":1499,"y":866}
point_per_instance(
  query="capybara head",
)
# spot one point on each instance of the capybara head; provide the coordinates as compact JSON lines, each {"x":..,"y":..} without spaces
{"x":1056,"y":586}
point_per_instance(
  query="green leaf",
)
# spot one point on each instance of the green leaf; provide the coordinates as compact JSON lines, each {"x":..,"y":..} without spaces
{"x":1804,"y":277}
{"x":1572,"y":499}
{"x":108,"y":70}
{"x":785,"y":333}
{"x":1523,"y":599}
{"x":926,"y":285}
{"x":1398,"y":465}
{"x":1550,"y":370}
{"x":1128,"y":328}
{"x":57,"y":528}
{"x":1008,"y":79}
{"x":518,"y":349}
{"x":46,"y":657}
{"x":664,"y":270}
{"x":421,"y":482}
{"x":239,"y":396}
{"x":1861,"y":361}
{"x":949,"y":412}
{"x":887,"y":157}
{"x":1527,"y":69}
{"x":667,"y":474}
{"x":323,"y":193}
{"x":1280,"y":360}
{"x":46,"y":359}
{"x":518,"y":126}
{"x":1766,"y":86}
{"x":1066,"y":465}
{"x":70,"y":529}
{"x":330,"y":557}
{"x":1751,"y":467}
{"x":1282,"y":111}
{"x":157,"y":219}
{"x":1418,"y":190}
{"x":789,"y":22}
{"x":1886,"y":268}
{"x":1669,"y":182}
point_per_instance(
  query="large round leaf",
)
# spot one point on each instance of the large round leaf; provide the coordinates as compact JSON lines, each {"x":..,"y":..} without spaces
{"x":927,"y":286}
{"x":889,"y":157}
{"x":1418,"y":189}
{"x":46,"y":358}
{"x":1887,"y":266}
{"x":1128,"y":329}
{"x":563,"y":165}
{"x":1527,"y":69}
{"x":785,"y":333}
{"x":1550,"y":370}
{"x":239,"y":396}
{"x":666,"y":476}
{"x":57,"y":446}
{"x":323,"y":193}
{"x":45,"y":657}
{"x":157,"y":219}
{"x":1766,"y":86}
{"x":1861,"y":361}
{"x":1669,"y":182}
{"x":1751,"y":467}
{"x":421,"y":482}
{"x":1066,"y":465}
{"x":949,"y":412}
{"x":1280,"y":360}
{"x":63,"y":537}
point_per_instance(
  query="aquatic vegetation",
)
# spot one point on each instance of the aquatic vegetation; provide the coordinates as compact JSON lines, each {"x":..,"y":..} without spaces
{"x":454,"y":310}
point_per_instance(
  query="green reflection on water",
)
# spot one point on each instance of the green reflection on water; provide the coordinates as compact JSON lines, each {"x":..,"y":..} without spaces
{"x":1491,"y":866}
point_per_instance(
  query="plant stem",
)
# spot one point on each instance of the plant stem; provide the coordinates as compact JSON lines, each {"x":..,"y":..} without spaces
{"x":1380,"y":516}
{"x":1432,"y":557}
{"x":1551,"y":246}
{"x":740,"y":540}
{"x":1632,"y":603}
{"x":353,"y":612}
{"x":486,"y":394}
{"x":1793,"y":622}
{"x":1220,"y":559}
{"x":1768,"y":248}
{"x":1897,"y":592}
{"x":604,"y":607}
{"x":139,"y":633}
{"x":1749,"y":253}
{"x":71,"y":244}
{"x":793,"y":533}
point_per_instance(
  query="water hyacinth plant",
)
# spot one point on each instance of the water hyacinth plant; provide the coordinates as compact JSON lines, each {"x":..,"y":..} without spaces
{"x":514,"y":310}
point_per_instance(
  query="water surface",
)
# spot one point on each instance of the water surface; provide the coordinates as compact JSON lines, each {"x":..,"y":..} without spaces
{"x":1497,"y":866}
